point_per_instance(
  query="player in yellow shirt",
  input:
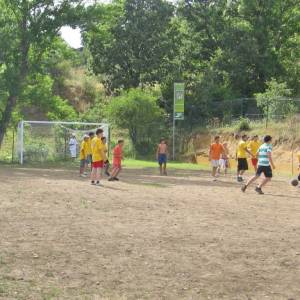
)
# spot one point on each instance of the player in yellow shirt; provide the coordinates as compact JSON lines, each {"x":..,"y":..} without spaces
{"x":84,"y":151}
{"x":253,"y":147}
{"x":98,"y":157}
{"x":241,"y":156}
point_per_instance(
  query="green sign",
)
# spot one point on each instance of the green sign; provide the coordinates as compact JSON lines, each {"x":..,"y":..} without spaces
{"x":179,"y":101}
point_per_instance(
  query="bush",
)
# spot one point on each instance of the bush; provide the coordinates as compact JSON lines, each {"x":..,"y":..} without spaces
{"x":137,"y":111}
{"x":243,"y":124}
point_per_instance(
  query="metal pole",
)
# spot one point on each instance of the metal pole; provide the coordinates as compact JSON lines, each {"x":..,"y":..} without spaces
{"x":174,"y":135}
{"x":13,"y":147}
{"x":22,"y":143}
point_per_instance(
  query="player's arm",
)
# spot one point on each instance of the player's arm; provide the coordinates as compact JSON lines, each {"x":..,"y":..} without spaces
{"x":271,"y":160}
{"x":157,"y":152}
{"x":209,"y":153}
{"x":249,"y":152}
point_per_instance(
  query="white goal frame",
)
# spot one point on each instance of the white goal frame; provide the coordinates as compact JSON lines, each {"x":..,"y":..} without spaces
{"x":20,"y":135}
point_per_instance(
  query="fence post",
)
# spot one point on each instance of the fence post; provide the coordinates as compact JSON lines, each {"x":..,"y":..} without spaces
{"x":13,"y":147}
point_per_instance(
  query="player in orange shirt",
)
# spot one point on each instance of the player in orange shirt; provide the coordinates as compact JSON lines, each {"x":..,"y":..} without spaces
{"x":215,"y":151}
{"x":117,"y":161}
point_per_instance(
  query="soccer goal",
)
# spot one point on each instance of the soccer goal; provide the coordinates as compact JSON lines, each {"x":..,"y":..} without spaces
{"x":45,"y":141}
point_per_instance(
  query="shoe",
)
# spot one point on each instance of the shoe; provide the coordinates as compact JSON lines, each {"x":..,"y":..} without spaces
{"x":243,"y":188}
{"x":111,"y":179}
{"x":83,"y":175}
{"x":98,"y":184}
{"x":214,"y":179}
{"x":240,"y":179}
{"x":93,"y":183}
{"x":259,"y":191}
{"x":116,"y":179}
{"x":107,"y":174}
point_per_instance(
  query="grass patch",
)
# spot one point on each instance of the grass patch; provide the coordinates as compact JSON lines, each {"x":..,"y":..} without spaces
{"x":142,"y":164}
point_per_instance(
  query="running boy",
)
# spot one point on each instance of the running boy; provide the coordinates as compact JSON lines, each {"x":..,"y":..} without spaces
{"x":265,"y":165}
{"x":98,"y":157}
{"x":162,"y":156}
{"x":253,"y":147}
{"x":215,"y":151}
{"x":84,"y":150}
{"x":117,"y":161}
{"x":241,"y":156}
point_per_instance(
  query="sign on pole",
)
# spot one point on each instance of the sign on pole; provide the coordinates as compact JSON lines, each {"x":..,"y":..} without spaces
{"x":179,"y":101}
{"x":178,"y":109}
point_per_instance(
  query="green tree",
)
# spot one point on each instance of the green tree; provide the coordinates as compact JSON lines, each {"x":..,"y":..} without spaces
{"x":134,"y":46}
{"x":276,"y":100}
{"x":27,"y":28}
{"x":137,"y":111}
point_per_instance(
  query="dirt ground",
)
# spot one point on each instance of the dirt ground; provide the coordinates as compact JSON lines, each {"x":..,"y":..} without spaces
{"x":146,"y":237}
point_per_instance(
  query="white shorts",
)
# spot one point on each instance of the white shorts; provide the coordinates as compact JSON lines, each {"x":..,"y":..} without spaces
{"x":215,"y":163}
{"x":223,"y":163}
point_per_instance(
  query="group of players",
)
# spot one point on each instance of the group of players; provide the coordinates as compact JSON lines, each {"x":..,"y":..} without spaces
{"x":261,"y":159}
{"x":94,"y":152}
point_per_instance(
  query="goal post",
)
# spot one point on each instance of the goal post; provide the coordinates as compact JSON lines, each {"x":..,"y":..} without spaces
{"x":41,"y":141}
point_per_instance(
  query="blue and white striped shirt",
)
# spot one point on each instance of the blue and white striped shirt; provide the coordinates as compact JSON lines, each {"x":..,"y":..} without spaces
{"x":263,"y":151}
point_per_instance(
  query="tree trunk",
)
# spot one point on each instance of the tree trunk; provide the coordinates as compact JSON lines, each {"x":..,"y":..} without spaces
{"x":4,"y":122}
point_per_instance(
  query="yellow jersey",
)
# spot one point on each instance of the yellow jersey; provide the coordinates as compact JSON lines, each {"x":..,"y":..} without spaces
{"x":97,"y":149}
{"x":253,"y":147}
{"x":84,"y":150}
{"x":241,"y":149}
{"x":89,"y":142}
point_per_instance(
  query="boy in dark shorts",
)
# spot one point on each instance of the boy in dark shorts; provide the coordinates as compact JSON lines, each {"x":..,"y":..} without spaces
{"x":241,"y":156}
{"x":265,"y":165}
{"x":161,"y":156}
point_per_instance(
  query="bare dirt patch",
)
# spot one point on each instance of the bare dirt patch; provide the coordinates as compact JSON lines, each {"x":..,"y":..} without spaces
{"x":146,"y":237}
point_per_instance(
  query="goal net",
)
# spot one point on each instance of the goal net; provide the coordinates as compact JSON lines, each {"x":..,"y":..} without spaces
{"x":45,"y":141}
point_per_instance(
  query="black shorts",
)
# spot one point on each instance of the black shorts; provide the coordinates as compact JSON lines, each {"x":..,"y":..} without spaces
{"x":266,"y":170}
{"x":242,"y":164}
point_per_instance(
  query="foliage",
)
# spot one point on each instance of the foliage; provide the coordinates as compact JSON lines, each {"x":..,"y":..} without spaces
{"x":142,"y":31}
{"x":275,"y":101}
{"x":243,"y":125}
{"x":27,"y":29}
{"x":137,"y":111}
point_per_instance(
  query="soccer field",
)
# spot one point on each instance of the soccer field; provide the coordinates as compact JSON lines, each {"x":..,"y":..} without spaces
{"x":146,"y":237}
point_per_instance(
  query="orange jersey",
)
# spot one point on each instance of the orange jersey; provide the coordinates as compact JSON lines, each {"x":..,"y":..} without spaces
{"x":216,"y":150}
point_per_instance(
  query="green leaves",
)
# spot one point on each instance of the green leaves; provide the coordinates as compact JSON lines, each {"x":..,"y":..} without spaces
{"x":133,"y":48}
{"x":138,"y":112}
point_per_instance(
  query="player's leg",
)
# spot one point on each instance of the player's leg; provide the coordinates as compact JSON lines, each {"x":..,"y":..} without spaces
{"x":82,"y":167}
{"x":98,"y":175}
{"x":160,"y":168}
{"x":267,"y":171}
{"x":165,"y":168}
{"x":93,"y":175}
{"x":118,"y":170}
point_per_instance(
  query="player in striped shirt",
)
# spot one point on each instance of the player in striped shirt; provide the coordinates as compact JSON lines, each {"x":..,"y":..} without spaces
{"x":265,"y":165}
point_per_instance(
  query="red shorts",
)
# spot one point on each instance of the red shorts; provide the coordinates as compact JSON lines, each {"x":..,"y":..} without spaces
{"x":254,"y":162}
{"x":97,"y":164}
{"x":117,"y":164}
